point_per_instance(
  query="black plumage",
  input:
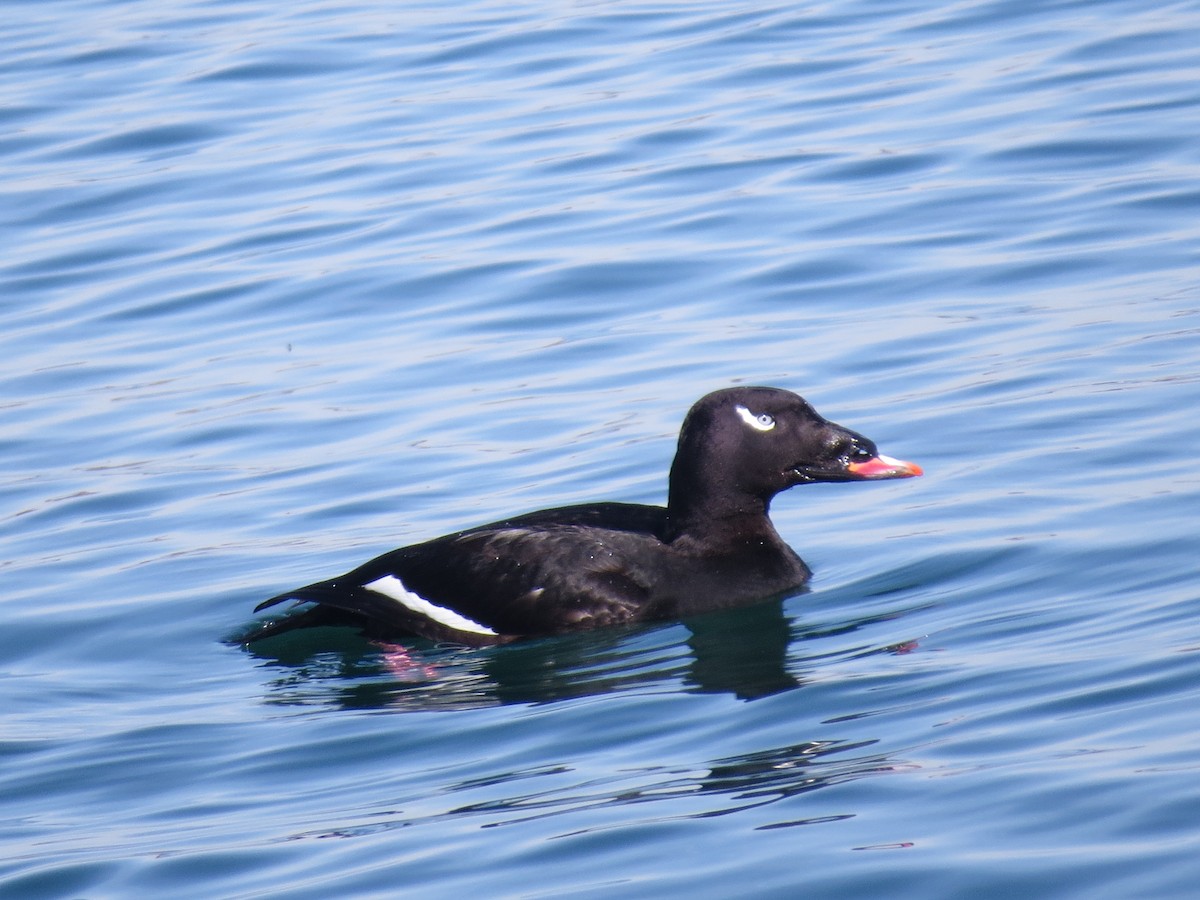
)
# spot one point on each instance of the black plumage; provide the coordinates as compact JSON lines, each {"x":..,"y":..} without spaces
{"x":713,"y":545}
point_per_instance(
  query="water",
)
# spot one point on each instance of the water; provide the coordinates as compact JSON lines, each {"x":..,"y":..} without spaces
{"x":287,"y":286}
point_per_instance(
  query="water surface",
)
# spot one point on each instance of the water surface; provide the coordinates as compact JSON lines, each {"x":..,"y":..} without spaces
{"x":287,"y":287}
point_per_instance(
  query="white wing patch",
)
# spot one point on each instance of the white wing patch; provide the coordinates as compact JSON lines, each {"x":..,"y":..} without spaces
{"x":392,"y":587}
{"x":762,"y":422}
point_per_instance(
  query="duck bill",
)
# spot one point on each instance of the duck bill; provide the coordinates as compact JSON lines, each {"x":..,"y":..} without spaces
{"x":881,"y":466}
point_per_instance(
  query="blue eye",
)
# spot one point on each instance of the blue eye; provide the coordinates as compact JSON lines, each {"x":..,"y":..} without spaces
{"x":760,"y":422}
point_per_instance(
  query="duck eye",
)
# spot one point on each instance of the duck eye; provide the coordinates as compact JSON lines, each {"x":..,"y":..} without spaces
{"x":761,"y":422}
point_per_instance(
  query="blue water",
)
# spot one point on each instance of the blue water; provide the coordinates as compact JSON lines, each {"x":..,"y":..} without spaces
{"x":287,"y":285}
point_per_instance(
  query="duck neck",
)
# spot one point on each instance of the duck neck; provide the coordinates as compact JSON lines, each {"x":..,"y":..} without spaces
{"x":717,"y":518}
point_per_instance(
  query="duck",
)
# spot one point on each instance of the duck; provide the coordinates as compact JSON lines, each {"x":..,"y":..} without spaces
{"x":595,"y":565}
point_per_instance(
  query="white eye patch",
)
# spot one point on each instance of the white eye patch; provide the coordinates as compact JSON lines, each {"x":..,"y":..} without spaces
{"x":761,"y":422}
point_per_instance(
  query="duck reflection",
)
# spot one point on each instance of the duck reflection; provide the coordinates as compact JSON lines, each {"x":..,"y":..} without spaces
{"x":742,"y":652}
